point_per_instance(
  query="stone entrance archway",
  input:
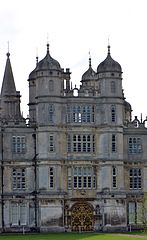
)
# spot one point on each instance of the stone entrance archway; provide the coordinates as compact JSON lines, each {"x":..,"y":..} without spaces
{"x":82,"y":217}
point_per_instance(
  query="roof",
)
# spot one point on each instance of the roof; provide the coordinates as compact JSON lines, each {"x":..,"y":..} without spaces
{"x":89,"y":74}
{"x":48,"y":63}
{"x":109,"y":65}
{"x":8,"y":85}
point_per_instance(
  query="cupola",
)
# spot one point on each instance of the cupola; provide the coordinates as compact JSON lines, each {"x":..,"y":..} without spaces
{"x":48,"y":63}
{"x":89,"y":74}
{"x":109,"y":65}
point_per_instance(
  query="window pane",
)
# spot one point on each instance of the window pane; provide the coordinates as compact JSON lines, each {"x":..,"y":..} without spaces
{"x":134,"y":145}
{"x":135,"y":178}
{"x":79,"y":114}
{"x":131,"y":212}
{"x":75,"y":182}
{"x":81,"y":143}
{"x":23,"y":214}
{"x":18,"y":144}
{"x":19,"y":179}
{"x":84,"y":177}
{"x":14,"y":210}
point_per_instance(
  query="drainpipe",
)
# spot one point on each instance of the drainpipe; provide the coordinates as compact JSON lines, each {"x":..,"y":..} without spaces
{"x":2,"y":178}
{"x":35,"y":179}
{"x":63,"y":215}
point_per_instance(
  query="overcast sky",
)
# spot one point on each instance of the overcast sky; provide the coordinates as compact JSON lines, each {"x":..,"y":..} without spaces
{"x":75,"y":27}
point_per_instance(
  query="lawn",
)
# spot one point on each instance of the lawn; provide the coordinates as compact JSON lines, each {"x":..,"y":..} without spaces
{"x":68,"y":236}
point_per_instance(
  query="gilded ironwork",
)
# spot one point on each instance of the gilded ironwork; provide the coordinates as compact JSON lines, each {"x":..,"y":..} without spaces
{"x":82,"y":218}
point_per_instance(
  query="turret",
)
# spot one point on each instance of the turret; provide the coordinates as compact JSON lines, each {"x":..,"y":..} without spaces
{"x":10,"y":98}
{"x":47,"y":80}
{"x":110,"y":77}
{"x":88,"y":82}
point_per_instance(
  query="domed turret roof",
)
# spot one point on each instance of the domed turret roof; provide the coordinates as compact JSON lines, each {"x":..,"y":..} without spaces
{"x":48,"y":63}
{"x":109,"y":65}
{"x":127,"y":106}
{"x":32,"y":74}
{"x":89,"y":74}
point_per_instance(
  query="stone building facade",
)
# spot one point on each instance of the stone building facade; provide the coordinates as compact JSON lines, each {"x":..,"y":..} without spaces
{"x":79,"y":162}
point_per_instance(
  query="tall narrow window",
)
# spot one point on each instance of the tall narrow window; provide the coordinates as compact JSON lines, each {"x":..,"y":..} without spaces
{"x":23,"y":214}
{"x":113,"y":113}
{"x":69,"y":179}
{"x":136,"y":212}
{"x":68,"y":115}
{"x":19,"y":179}
{"x":132,"y":212}
{"x":51,"y":85}
{"x":69,"y":143}
{"x":14,"y":214}
{"x":51,"y":177}
{"x":93,"y":144}
{"x":114,"y":177}
{"x":113,"y":87}
{"x":51,"y":143}
{"x":113,"y":143}
{"x":99,"y":88}
{"x":76,"y":114}
{"x":88,"y":114}
{"x":92,"y":117}
{"x":18,"y":144}
{"x":51,"y":113}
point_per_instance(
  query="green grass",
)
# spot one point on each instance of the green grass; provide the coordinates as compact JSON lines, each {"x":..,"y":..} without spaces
{"x":66,"y":236}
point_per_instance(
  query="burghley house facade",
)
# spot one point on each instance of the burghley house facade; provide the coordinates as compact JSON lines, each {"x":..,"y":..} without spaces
{"x":79,"y":162}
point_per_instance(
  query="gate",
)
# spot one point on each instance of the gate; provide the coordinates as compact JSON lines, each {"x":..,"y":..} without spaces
{"x":82,"y":217}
